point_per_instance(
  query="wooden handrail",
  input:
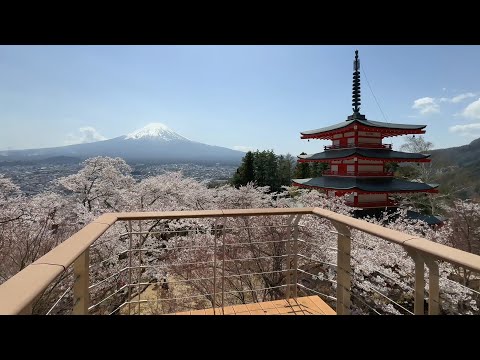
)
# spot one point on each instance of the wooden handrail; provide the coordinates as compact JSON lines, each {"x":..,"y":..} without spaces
{"x":17,"y":293}
{"x":438,"y":251}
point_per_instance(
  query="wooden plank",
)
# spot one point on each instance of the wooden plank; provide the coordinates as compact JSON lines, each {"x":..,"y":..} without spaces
{"x":288,"y":309}
{"x":271,"y":311}
{"x":268,"y":305}
{"x":308,"y":305}
{"x":279,"y":303}
{"x":211,"y":312}
{"x":229,"y":310}
{"x":254,"y":307}
{"x":240,"y":308}
{"x":299,"y":311}
{"x":259,"y":311}
{"x":198,"y":312}
{"x":243,"y":313}
{"x":327,"y":310}
{"x":285,"y":311}
{"x":292,"y":302}
{"x":295,"y":306}
{"x":183,"y":313}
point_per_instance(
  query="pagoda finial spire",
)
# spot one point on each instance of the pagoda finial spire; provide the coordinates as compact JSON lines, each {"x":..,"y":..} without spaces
{"x":356,"y":100}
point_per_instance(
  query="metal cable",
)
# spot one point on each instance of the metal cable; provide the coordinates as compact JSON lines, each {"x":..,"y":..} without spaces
{"x":319,"y":261}
{"x":108,"y":278}
{"x":204,"y":230}
{"x":306,"y":272}
{"x":391,"y":300}
{"x":108,"y":297}
{"x":60,"y":298}
{"x":317,"y":292}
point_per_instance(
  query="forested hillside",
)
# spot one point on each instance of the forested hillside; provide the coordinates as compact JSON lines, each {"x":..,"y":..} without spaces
{"x":459,"y":168}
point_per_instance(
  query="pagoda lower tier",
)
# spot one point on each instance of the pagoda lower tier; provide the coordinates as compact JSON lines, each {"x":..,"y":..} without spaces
{"x":365,"y":192}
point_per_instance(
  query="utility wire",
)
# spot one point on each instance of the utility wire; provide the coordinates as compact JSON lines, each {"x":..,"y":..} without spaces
{"x":378,"y":104}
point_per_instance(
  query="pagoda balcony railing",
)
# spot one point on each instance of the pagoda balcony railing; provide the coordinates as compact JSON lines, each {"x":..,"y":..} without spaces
{"x":358,"y":173}
{"x":377,"y":204}
{"x":360,"y":145}
{"x":165,"y":262}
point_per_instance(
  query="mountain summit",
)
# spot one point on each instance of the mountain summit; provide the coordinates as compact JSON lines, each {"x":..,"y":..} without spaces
{"x":155,"y":131}
{"x":154,"y":143}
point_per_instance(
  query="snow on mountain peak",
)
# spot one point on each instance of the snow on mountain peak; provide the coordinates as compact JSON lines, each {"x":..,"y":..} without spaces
{"x":155,"y":131}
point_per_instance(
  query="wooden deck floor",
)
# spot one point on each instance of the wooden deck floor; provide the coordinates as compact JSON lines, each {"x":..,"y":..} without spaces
{"x":307,"y":305}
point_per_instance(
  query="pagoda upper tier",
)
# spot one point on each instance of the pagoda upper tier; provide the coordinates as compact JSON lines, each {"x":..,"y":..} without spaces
{"x":363,"y":128}
{"x":365,"y":154}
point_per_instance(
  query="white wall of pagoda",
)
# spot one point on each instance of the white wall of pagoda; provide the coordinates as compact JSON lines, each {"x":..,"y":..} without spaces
{"x":367,"y":198}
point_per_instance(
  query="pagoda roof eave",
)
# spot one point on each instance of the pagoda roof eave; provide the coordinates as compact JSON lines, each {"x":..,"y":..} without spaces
{"x":376,"y":186}
{"x":366,"y":154}
{"x":388,"y":128}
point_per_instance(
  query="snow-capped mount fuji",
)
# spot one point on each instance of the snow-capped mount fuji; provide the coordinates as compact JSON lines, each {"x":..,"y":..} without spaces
{"x":156,"y":131}
{"x":154,"y":143}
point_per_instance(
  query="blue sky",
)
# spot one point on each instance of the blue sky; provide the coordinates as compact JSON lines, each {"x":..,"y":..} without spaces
{"x":244,"y":97}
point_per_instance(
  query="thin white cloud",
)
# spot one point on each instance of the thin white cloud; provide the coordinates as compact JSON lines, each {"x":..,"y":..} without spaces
{"x":461,"y":97}
{"x":244,"y":148}
{"x":429,"y":105}
{"x":472,"y":111}
{"x":86,"y":134}
{"x":469,"y":130}
{"x":426,"y":105}
{"x":458,"y":98}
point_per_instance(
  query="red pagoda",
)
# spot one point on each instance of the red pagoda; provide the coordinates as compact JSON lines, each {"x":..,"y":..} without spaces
{"x":357,"y":158}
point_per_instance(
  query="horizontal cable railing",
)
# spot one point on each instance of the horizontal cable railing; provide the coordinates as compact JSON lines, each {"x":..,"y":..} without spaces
{"x":166,"y":262}
{"x":358,"y":173}
{"x":360,"y":145}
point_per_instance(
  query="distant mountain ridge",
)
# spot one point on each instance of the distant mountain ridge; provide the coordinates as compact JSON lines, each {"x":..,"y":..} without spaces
{"x":464,"y":155}
{"x":153,"y":143}
{"x":459,"y":167}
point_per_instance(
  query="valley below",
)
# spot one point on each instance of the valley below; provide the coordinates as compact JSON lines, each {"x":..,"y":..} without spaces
{"x":36,"y":177}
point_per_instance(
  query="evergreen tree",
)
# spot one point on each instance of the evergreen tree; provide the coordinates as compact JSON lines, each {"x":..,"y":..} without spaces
{"x":317,"y":169}
{"x":248,"y":171}
{"x":245,"y":173}
{"x":273,"y":179}
{"x":302,"y":170}
{"x":265,"y":169}
{"x":286,"y":166}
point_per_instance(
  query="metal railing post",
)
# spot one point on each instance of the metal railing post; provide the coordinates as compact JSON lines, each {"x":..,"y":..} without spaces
{"x":130,"y":267}
{"x":214,"y":268}
{"x":139,"y":273}
{"x":295,"y":252}
{"x":344,"y":269}
{"x":81,"y":295}
{"x":419,"y":308}
{"x":289,"y":258}
{"x":433,"y":287}
{"x":223,"y":264}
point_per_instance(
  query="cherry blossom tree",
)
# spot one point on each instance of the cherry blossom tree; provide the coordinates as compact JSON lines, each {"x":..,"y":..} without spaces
{"x":100,"y":182}
{"x":382,"y":272}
